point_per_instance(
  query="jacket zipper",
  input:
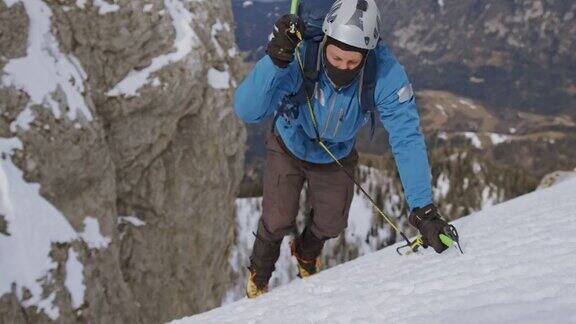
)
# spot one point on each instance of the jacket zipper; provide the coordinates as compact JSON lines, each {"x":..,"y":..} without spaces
{"x":340,"y":117}
{"x":332,"y":103}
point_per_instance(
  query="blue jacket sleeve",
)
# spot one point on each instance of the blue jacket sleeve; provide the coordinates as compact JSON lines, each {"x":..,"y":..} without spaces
{"x":261,"y":92}
{"x":399,"y":115}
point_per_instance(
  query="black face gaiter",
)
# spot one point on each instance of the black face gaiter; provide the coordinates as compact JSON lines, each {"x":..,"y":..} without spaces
{"x":341,"y":78}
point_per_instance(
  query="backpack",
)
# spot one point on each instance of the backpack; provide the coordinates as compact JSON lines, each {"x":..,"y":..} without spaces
{"x":313,"y":36}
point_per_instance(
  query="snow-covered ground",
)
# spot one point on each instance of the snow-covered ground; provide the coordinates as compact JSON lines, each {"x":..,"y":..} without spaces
{"x":518,"y":266}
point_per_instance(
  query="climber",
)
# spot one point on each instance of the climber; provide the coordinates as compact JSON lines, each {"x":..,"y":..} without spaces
{"x":348,"y":54}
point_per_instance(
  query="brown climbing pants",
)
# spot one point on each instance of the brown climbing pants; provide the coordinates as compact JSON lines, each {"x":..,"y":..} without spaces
{"x":330,"y":193}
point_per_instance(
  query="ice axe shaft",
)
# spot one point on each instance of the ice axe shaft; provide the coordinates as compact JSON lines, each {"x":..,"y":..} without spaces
{"x":294,"y":7}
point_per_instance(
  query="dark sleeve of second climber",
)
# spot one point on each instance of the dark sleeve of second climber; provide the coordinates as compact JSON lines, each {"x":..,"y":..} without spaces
{"x":261,"y":92}
{"x":399,"y":114}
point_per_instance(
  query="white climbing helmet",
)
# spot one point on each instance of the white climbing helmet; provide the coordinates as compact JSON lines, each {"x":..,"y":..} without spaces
{"x":354,"y":22}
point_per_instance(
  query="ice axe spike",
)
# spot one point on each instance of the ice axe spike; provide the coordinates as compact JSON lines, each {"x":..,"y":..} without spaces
{"x":450,"y":237}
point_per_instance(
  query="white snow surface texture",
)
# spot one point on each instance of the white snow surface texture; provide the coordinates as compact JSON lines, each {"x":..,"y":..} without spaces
{"x":518,"y":267}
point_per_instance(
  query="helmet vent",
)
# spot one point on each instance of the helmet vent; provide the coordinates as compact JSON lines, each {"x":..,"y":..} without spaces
{"x":357,"y":20}
{"x":332,"y":13}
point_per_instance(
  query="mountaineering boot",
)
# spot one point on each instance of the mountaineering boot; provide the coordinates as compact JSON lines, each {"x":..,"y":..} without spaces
{"x":253,"y":290}
{"x":307,"y":248}
{"x":306,"y":268}
{"x":264,"y":256}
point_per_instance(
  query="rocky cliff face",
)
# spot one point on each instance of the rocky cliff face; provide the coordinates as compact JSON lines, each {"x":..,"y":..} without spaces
{"x":122,"y":113}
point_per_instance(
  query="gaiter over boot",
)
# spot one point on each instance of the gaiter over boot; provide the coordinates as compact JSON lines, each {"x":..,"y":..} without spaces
{"x":264,"y":256}
{"x":307,"y":248}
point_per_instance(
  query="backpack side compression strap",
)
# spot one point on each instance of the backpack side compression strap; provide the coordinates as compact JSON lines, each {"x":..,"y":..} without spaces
{"x":311,"y":68}
{"x":367,"y":101}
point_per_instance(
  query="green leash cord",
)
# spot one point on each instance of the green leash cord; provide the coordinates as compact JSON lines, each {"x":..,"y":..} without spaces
{"x":448,"y":239}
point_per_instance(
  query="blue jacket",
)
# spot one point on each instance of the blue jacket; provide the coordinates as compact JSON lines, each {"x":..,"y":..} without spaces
{"x":340,"y":117}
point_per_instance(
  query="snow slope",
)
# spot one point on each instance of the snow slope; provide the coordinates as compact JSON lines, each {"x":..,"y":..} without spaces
{"x":519,"y":265}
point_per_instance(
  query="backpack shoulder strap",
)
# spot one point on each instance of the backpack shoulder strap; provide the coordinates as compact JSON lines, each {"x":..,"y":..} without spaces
{"x":367,"y":96}
{"x":311,"y":69}
{"x":289,"y":105}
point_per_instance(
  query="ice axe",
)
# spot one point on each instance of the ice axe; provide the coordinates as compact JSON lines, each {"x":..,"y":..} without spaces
{"x":449,"y":237}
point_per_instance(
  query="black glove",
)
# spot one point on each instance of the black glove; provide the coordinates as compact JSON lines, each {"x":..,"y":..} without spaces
{"x":281,"y":46}
{"x":428,"y":222}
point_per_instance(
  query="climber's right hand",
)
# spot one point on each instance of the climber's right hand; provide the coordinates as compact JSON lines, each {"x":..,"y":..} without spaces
{"x":284,"y":40}
{"x":428,"y":221}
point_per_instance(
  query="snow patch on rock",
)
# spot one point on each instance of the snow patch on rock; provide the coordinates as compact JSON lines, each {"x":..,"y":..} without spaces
{"x":468,"y":103}
{"x":474,"y":139}
{"x":74,"y":281}
{"x":23,"y":120}
{"x":105,"y":7}
{"x":217,"y":27}
{"x":92,"y":236}
{"x":34,"y":224}
{"x":81,"y":4}
{"x":489,"y":197}
{"x":498,"y":138}
{"x":186,"y":40}
{"x":45,"y":70}
{"x":147,"y":7}
{"x":442,"y":187}
{"x":232,"y":52}
{"x":132,"y":220}
{"x":218,"y":80}
{"x":441,"y":108}
{"x":476,"y":167}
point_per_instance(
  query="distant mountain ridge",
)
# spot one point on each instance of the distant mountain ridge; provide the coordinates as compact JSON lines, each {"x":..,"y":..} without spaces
{"x":514,"y":53}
